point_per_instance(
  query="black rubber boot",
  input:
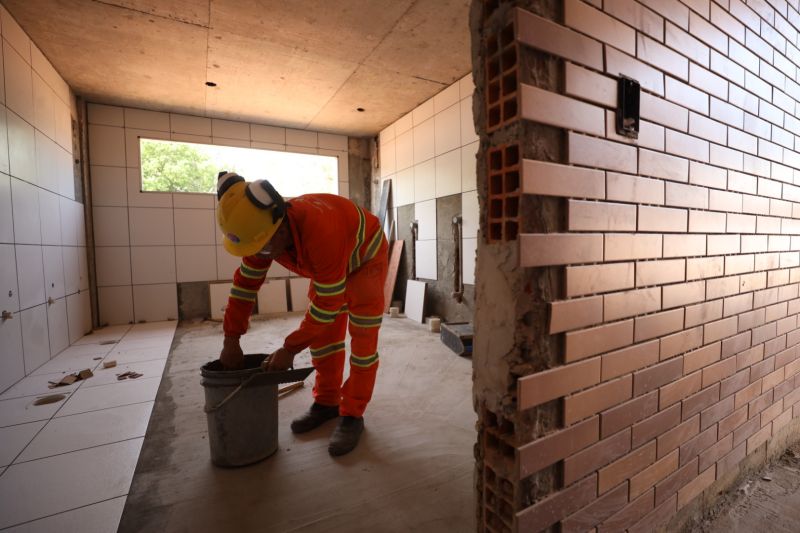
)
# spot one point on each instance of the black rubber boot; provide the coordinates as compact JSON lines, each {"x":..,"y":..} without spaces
{"x":317,"y":415}
{"x":345,"y":436}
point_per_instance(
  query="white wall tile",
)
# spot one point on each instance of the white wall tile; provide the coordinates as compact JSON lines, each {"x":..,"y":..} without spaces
{"x":57,"y":327}
{"x":447,"y":126}
{"x":53,"y":272}
{"x":469,"y":167}
{"x":387,"y":134}
{"x":425,"y":215}
{"x":25,"y":206}
{"x":106,"y":115}
{"x":30,"y":275}
{"x":298,"y":289}
{"x":4,"y":162}
{"x":113,"y":264}
{"x":44,"y":107}
{"x":63,"y":126}
{"x":2,"y":77}
{"x":80,"y":227}
{"x":226,"y":264}
{"x":446,"y":98}
{"x":230,"y":129}
{"x":422,"y":112}
{"x":188,"y":138}
{"x":79,"y":316}
{"x":46,"y":170}
{"x":332,"y":142}
{"x":304,"y":138}
{"x":69,"y":254}
{"x":15,"y":34}
{"x":426,"y":260}
{"x":424,"y":141}
{"x":116,"y":305}
{"x":141,"y":119}
{"x":193,"y":200}
{"x":448,"y":173}
{"x":66,"y":173}
{"x":137,"y":198}
{"x":111,"y":226}
{"x":151,"y":226}
{"x":19,"y":83}
{"x":196,"y":263}
{"x":43,"y":67}
{"x":468,"y":257}
{"x":343,"y":189}
{"x":132,"y":140}
{"x":50,"y":217}
{"x":83,"y":269}
{"x":469,"y":214}
{"x":425,"y":181}
{"x":190,"y":124}
{"x":6,"y":214}
{"x":404,"y":150}
{"x":69,"y":222}
{"x":388,"y":159}
{"x":12,"y":366}
{"x":107,"y":145}
{"x":466,"y":87}
{"x":21,"y":148}
{"x":35,"y":338}
{"x":272,"y":297}
{"x":468,"y":134}
{"x":9,"y":291}
{"x":222,"y":141}
{"x":268,"y":134}
{"x":152,"y":264}
{"x":268,"y":146}
{"x":403,"y":124}
{"x":218,"y":295}
{"x":155,"y":302}
{"x":403,"y":192}
{"x":108,"y":186}
{"x":194,"y":226}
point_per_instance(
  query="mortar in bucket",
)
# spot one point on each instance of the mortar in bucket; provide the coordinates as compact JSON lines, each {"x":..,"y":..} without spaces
{"x":242,"y":410}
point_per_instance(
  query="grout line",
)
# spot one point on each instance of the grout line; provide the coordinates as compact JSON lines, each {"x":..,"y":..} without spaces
{"x":67,"y":511}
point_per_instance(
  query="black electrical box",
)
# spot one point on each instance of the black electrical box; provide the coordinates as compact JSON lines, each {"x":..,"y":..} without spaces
{"x":628,"y":107}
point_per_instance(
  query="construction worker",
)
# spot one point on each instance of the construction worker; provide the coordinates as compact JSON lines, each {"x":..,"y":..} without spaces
{"x":342,"y":249}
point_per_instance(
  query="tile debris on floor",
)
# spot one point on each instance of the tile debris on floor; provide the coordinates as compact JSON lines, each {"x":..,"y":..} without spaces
{"x":68,"y":465}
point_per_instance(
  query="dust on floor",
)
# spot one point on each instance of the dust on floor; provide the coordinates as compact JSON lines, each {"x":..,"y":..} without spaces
{"x":412,"y":471}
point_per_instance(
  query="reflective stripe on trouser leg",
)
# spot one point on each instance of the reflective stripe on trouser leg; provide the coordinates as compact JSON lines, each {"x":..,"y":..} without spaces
{"x":327,"y":357}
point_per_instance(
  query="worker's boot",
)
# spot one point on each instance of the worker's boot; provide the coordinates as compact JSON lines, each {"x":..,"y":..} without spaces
{"x":345,"y":436}
{"x":317,"y":415}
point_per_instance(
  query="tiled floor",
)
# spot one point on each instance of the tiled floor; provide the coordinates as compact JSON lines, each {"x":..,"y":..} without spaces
{"x":68,"y":466}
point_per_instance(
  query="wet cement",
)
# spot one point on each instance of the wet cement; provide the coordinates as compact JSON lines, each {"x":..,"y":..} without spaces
{"x":412,"y":471}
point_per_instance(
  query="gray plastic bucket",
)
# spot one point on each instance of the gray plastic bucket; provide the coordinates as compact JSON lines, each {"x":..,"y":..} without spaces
{"x":242,"y":420}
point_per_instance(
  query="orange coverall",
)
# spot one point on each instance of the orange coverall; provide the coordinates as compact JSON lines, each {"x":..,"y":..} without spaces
{"x":344,"y":252}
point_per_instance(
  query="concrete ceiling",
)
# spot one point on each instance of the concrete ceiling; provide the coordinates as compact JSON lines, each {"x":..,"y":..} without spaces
{"x":305,"y":64}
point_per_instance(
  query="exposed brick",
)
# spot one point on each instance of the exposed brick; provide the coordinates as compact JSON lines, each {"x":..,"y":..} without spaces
{"x":735,"y":383}
{"x":699,"y":401}
{"x":597,"y":511}
{"x":771,"y":413}
{"x":680,"y":434}
{"x":679,"y":343}
{"x":783,"y":388}
{"x":543,"y":34}
{"x":630,"y":514}
{"x":772,"y":379}
{"x":552,"y":179}
{"x":714,"y":331}
{"x":781,"y":421}
{"x":715,"y":452}
{"x":737,"y":343}
{"x":657,"y":324}
{"x":629,"y":359}
{"x":628,"y":413}
{"x":567,"y":315}
{"x":542,"y":387}
{"x":656,"y":425}
{"x":655,"y":376}
{"x":731,"y":460}
{"x":716,"y":412}
{"x":747,"y":394}
{"x":674,"y":392}
{"x":622,"y":246}
{"x":702,"y":357}
{"x":556,"y":507}
{"x":622,"y":469}
{"x":592,"y":341}
{"x":583,"y":404}
{"x":703,"y":313}
{"x":745,"y":431}
{"x":676,"y":481}
{"x":596,"y":456}
{"x":598,"y":278}
{"x":718,"y":371}
{"x":696,"y":486}
{"x":547,"y":450}
{"x":697,"y":444}
{"x":749,"y":357}
{"x":559,"y":249}
{"x":654,"y":473}
{"x":630,"y":303}
{"x":658,"y":516}
{"x":592,"y":152}
{"x":761,"y":369}
{"x":683,"y":294}
{"x":732,"y":421}
{"x":627,"y":188}
{"x":759,"y":437}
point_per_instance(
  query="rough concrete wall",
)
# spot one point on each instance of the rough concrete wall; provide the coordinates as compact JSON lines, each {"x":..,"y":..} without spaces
{"x":651,"y":346}
{"x":360,"y":170}
{"x":193,"y":300}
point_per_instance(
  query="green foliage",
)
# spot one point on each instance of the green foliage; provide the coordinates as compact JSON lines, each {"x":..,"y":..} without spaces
{"x":176,"y":167}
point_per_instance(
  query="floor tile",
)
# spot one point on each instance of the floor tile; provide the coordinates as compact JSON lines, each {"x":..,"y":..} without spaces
{"x":61,"y":364}
{"x":107,"y":376}
{"x":86,"y":430}
{"x":37,"y":385}
{"x":106,"y":396}
{"x":71,"y":480}
{"x":137,"y":354}
{"x":100,"y":517}
{"x":14,"y":438}
{"x":111,"y":333}
{"x":22,"y":410}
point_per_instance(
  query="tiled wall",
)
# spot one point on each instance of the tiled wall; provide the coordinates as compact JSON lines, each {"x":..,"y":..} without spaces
{"x":43,"y":275}
{"x":147,"y":242}
{"x":680,"y":252}
{"x":430,"y":154}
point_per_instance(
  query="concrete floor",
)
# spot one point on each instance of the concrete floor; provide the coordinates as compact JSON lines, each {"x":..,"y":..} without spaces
{"x":412,"y":471}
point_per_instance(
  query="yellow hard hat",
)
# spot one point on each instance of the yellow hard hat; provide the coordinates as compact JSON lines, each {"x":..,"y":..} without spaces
{"x":248,"y":214}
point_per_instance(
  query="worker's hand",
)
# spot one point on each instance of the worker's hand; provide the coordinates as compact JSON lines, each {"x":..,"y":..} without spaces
{"x":232,"y":357}
{"x":280,"y":359}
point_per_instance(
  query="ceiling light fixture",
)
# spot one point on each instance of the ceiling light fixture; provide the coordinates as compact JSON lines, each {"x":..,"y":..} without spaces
{"x":360,"y":109}
{"x":211,"y":84}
